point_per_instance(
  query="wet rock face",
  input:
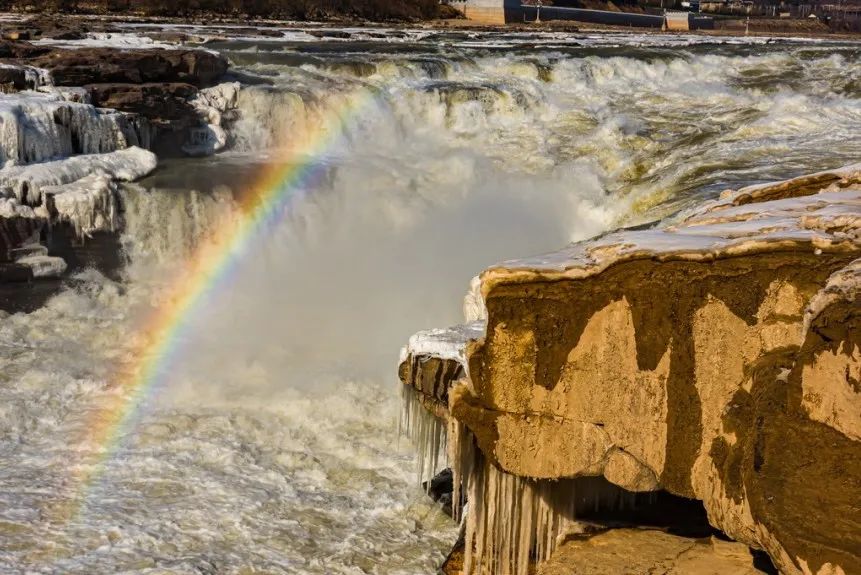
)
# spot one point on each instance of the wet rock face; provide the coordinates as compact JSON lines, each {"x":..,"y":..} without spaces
{"x":431,"y":376}
{"x":107,"y":65}
{"x":14,"y":231}
{"x":161,"y":102}
{"x":12,"y":79}
{"x":166,"y":107}
{"x":17,"y":49}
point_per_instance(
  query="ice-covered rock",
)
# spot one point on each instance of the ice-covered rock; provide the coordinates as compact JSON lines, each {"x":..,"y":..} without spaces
{"x":27,"y":182}
{"x":12,"y":208}
{"x":18,"y":225}
{"x":18,"y":77}
{"x":35,"y":127}
{"x":211,"y":104}
{"x":89,"y":204}
{"x":68,"y":93}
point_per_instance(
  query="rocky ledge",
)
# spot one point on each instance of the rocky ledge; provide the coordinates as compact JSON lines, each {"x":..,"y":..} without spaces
{"x":74,"y":122}
{"x":715,"y":358}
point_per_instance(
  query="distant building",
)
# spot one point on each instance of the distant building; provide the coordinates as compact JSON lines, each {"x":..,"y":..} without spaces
{"x":506,"y":11}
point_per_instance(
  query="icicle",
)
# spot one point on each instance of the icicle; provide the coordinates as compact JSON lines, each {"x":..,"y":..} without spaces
{"x":512,"y":520}
{"x":426,"y":432}
{"x":461,"y":454}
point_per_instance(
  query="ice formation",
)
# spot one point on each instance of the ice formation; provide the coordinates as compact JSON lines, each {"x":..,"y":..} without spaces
{"x":26,"y":182}
{"x":513,"y":520}
{"x":11,"y":208}
{"x":34,"y":78}
{"x":35,"y":127}
{"x":211,"y":104}
{"x":426,"y":432}
{"x":44,"y":266}
{"x":473,"y":302}
{"x":89,"y":204}
{"x":444,"y":343}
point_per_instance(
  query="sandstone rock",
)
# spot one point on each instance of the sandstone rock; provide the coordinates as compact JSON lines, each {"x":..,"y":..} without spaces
{"x":716,"y":358}
{"x":649,"y":552}
{"x":161,"y":103}
{"x":109,"y":65}
{"x":43,"y":26}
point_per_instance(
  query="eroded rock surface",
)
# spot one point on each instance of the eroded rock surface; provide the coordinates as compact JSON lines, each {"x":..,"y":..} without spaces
{"x":78,"y":67}
{"x":649,"y":552}
{"x":716,"y":358}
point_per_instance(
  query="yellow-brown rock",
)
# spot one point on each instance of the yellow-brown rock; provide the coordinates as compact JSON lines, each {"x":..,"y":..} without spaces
{"x":687,"y":358}
{"x":649,"y":552}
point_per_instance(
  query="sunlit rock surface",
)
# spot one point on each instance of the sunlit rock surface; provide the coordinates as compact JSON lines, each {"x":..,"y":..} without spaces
{"x":649,"y":551}
{"x":716,"y":358}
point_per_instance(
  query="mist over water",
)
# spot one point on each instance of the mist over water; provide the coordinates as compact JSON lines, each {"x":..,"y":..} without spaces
{"x":271,"y":445}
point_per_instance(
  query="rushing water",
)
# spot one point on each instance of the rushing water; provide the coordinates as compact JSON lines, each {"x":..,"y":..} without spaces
{"x":271,"y":448}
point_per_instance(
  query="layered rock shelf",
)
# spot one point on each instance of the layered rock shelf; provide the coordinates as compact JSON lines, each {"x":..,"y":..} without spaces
{"x":714,"y":357}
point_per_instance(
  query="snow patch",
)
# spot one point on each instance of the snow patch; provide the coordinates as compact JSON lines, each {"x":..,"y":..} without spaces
{"x":449,"y":343}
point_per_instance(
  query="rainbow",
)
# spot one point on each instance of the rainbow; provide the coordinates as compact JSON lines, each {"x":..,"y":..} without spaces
{"x":207,"y":271}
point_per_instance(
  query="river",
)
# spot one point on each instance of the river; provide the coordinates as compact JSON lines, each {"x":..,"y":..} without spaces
{"x":271,"y":444}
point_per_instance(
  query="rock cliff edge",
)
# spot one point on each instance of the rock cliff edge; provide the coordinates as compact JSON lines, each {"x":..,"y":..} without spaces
{"x":715,"y":357}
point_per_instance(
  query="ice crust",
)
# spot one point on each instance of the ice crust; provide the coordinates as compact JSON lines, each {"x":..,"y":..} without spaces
{"x":82,"y":188}
{"x":211,"y":104}
{"x":447,"y":343}
{"x":825,"y":220}
{"x":35,"y":127}
{"x":27,"y":182}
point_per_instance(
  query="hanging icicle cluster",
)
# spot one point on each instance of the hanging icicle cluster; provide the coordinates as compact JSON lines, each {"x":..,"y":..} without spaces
{"x":513,"y":521}
{"x":426,"y":432}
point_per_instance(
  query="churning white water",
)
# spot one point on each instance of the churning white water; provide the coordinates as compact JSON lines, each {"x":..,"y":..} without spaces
{"x":271,"y":447}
